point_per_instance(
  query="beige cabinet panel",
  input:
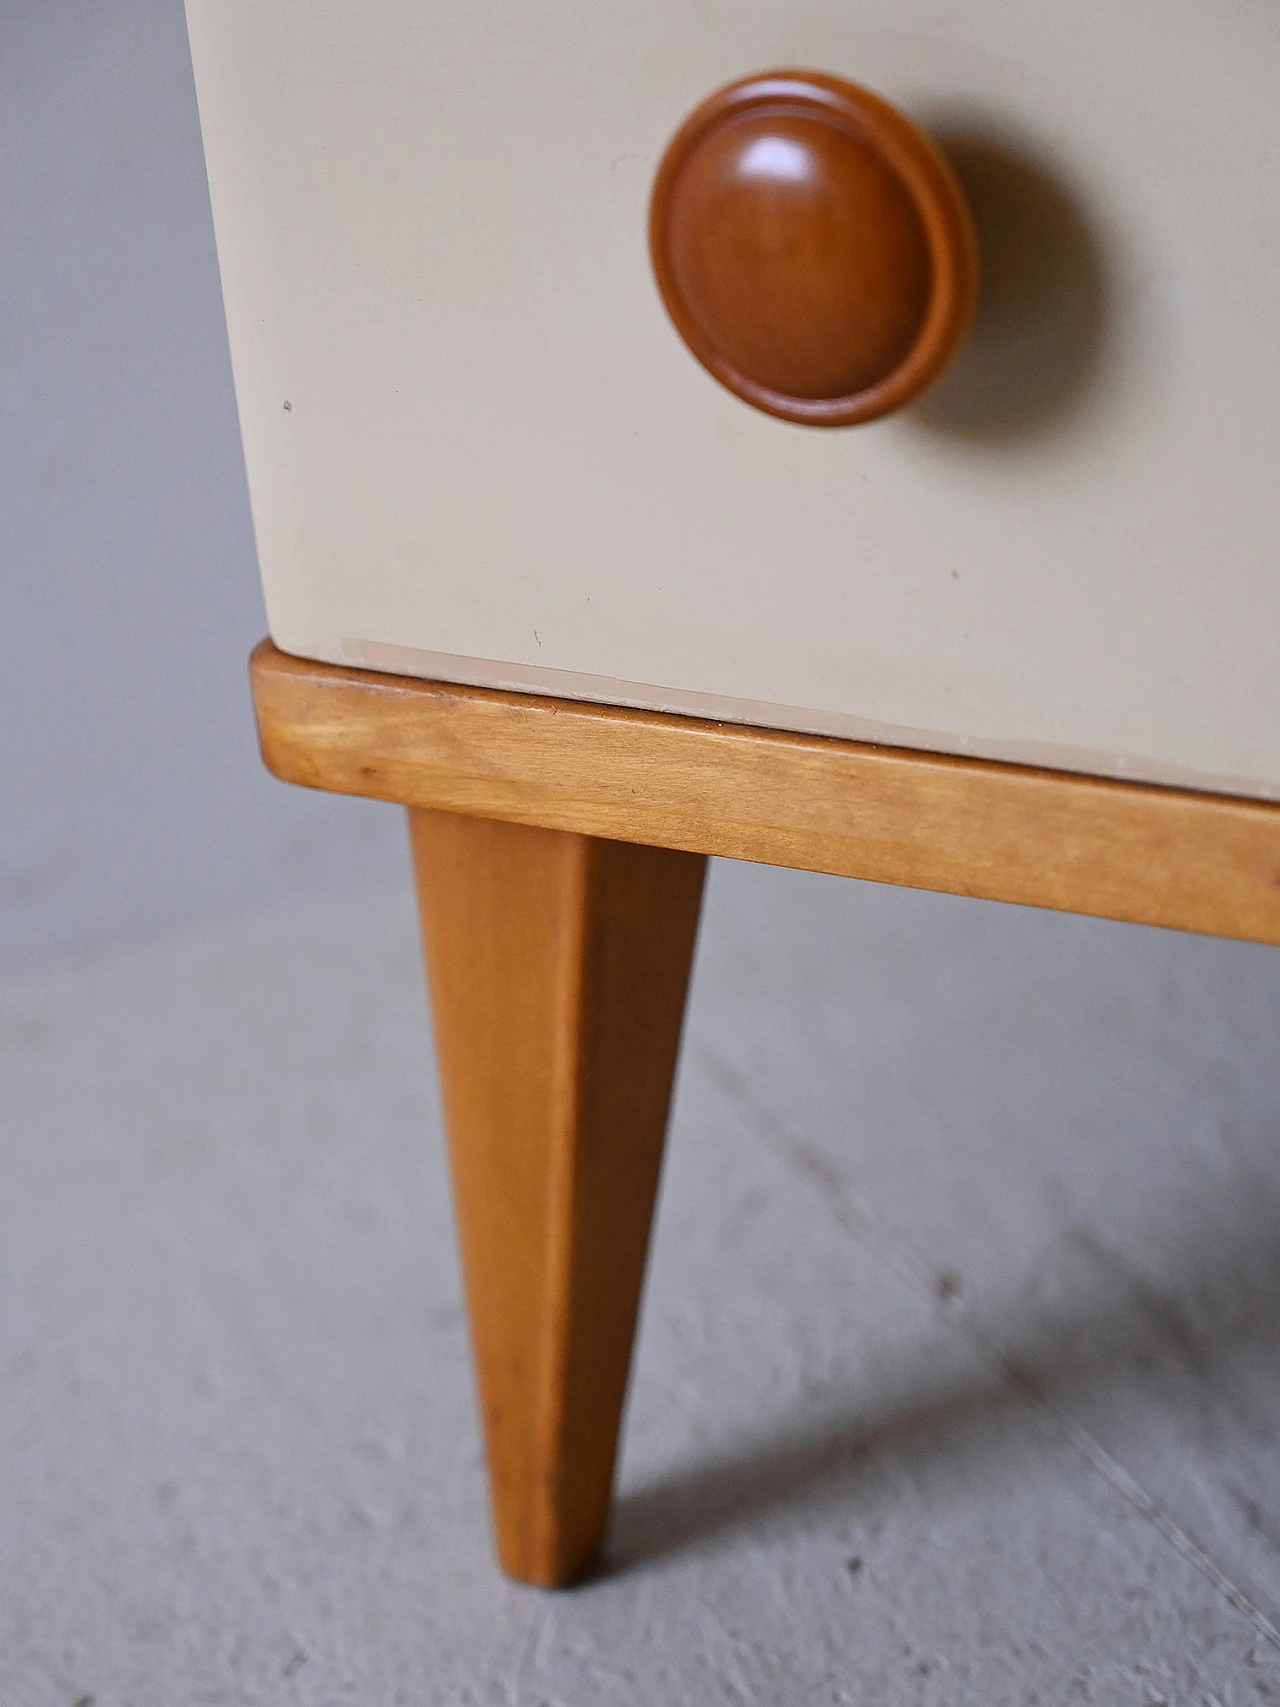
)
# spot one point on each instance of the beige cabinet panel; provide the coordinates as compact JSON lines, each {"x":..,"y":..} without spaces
{"x":478,"y":450}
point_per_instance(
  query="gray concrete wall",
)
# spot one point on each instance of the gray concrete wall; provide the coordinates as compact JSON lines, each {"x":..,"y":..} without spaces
{"x":132,"y":797}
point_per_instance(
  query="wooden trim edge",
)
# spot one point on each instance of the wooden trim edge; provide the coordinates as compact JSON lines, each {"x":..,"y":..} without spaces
{"x":1119,"y":850}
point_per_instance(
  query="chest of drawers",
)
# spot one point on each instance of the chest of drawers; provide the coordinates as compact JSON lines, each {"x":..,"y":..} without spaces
{"x":613,"y":369}
{"x":479,"y":451}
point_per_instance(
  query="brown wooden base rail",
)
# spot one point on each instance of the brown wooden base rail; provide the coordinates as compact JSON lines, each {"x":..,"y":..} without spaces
{"x":560,"y":850}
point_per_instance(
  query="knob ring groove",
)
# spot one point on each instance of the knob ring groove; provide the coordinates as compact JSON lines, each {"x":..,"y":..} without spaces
{"x":931,"y":186}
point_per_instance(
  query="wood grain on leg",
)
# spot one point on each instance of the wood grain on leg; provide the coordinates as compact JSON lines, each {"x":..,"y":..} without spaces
{"x":558,"y":966}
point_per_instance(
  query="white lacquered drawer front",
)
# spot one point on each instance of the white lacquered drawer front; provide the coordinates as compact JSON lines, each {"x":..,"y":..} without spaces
{"x":477,"y":447}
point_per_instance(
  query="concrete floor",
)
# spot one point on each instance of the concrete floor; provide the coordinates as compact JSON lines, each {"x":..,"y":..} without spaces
{"x":959,"y":1379}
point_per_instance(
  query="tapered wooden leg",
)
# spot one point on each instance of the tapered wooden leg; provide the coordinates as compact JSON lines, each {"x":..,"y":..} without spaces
{"x":558,"y":967}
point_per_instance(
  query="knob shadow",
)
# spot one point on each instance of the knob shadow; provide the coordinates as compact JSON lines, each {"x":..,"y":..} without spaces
{"x":1035,"y":351}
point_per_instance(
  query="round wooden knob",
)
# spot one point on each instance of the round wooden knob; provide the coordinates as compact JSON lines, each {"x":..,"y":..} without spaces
{"x":813,"y":248}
